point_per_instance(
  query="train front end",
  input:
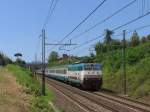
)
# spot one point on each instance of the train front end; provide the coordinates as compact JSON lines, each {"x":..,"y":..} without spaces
{"x":92,"y":76}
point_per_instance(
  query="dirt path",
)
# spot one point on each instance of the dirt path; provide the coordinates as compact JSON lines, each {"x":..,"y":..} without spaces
{"x":12,"y":95}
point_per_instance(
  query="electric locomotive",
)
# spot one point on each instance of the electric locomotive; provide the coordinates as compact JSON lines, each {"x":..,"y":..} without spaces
{"x":86,"y":75}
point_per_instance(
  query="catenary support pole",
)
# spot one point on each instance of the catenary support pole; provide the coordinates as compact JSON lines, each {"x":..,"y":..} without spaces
{"x":43,"y":62}
{"x":124,"y":62}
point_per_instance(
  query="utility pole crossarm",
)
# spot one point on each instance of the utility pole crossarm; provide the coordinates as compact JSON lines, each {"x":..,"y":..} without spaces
{"x":44,"y":44}
{"x":47,"y":44}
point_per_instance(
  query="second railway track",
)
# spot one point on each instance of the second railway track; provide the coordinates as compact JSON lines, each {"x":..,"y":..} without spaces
{"x":126,"y":101}
{"x":107,"y":102}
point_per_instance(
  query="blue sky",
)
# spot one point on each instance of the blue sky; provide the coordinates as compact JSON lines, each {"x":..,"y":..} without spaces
{"x":21,"y":22}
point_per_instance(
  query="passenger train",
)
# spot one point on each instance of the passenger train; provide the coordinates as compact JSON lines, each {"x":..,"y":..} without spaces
{"x":86,"y":75}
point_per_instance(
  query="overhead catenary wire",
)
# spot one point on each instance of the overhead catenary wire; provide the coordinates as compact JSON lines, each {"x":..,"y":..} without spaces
{"x":104,"y":20}
{"x":136,"y":29}
{"x":82,"y":21}
{"x":128,"y":32}
{"x":45,"y":22}
{"x":129,"y":22}
{"x":53,"y":4}
{"x":50,"y":12}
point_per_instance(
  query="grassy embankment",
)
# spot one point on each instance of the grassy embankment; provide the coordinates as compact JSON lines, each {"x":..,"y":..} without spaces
{"x":12,"y":95}
{"x":138,"y":71}
{"x":24,"y":77}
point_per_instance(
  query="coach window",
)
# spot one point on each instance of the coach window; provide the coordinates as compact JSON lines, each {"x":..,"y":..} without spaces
{"x":69,"y":69}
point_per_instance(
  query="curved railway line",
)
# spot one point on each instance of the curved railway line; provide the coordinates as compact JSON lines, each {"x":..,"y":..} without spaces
{"x":98,"y":101}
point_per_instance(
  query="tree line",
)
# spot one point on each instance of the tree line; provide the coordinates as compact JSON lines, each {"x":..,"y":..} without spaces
{"x":107,"y":46}
{"x":5,"y":60}
{"x":110,"y":44}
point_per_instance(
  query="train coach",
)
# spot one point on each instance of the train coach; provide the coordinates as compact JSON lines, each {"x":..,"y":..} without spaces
{"x":86,"y":75}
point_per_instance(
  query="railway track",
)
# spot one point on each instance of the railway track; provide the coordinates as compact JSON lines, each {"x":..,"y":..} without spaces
{"x":79,"y":104}
{"x":122,"y":98}
{"x":125,"y":101}
{"x":109,"y":92}
{"x":86,"y":106}
{"x":108,"y":102}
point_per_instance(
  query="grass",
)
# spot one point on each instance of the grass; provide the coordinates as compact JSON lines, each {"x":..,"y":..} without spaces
{"x":138,"y":71}
{"x":24,"y":77}
{"x":12,"y":95}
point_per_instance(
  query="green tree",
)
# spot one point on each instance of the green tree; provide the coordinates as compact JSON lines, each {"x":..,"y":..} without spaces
{"x":53,"y":57}
{"x":100,"y":48}
{"x":4,"y":60}
{"x":143,"y":40}
{"x":18,"y":55}
{"x":135,"y":40}
{"x":2,"y":63}
{"x":108,"y":38}
{"x":116,"y":44}
{"x":87,"y":59}
{"x":19,"y":61}
{"x":148,"y":37}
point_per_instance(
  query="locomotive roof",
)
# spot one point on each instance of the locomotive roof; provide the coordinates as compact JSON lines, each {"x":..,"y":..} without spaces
{"x":61,"y":66}
{"x":70,"y":65}
{"x":82,"y":64}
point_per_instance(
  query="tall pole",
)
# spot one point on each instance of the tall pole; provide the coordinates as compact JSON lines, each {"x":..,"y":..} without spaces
{"x":35,"y":58}
{"x":124,"y":62}
{"x":35,"y":65}
{"x":69,"y":54}
{"x":43,"y":62}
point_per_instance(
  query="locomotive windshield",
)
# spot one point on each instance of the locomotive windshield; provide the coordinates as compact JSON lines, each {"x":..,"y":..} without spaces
{"x":92,"y":67}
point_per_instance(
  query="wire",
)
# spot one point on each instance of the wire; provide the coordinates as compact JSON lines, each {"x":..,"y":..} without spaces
{"x":109,"y":17}
{"x":37,"y":45}
{"x":89,"y":41}
{"x":131,"y":21}
{"x":137,"y":29}
{"x":50,"y":12}
{"x":82,"y":21}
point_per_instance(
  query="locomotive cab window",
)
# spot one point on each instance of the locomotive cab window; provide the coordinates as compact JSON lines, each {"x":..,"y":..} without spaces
{"x":88,"y":67}
{"x":92,"y":67}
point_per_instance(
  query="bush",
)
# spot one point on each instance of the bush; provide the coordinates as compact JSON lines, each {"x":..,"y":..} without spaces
{"x":39,"y":105}
{"x":138,"y":72}
{"x":143,"y":90}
